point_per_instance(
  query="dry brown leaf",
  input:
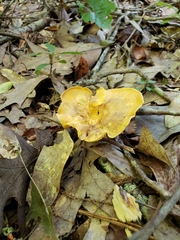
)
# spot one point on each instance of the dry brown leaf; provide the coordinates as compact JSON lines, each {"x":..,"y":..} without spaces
{"x":166,"y":177}
{"x":139,"y":53}
{"x":24,"y":88}
{"x":166,"y":229}
{"x":149,"y":146}
{"x":116,"y":157}
{"x":63,"y":36}
{"x":92,"y":56}
{"x":97,"y":228}
{"x":14,"y":114}
{"x":3,"y":51}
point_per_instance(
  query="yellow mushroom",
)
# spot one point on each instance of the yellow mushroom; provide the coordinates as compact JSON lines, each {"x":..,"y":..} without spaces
{"x":108,"y":112}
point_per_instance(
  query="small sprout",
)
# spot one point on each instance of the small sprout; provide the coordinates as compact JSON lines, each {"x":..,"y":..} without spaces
{"x":50,"y":48}
{"x":39,"y":68}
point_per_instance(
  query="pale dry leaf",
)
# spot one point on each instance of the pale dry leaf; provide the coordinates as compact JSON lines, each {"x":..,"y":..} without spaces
{"x":25,"y":88}
{"x":39,"y":234}
{"x":68,"y":204}
{"x":63,"y":36}
{"x":125,"y":206}
{"x":2,"y":51}
{"x":97,"y":230}
{"x":92,"y":56}
{"x":14,"y":114}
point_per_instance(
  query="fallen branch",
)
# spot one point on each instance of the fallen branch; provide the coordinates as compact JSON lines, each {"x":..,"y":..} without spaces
{"x":152,"y":111}
{"x":99,"y":63}
{"x":143,"y":176}
{"x":112,"y":220}
{"x":99,"y":77}
{"x":32,"y":27}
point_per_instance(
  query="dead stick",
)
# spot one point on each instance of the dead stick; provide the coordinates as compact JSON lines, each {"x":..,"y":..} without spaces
{"x":155,"y":111}
{"x":143,"y":176}
{"x":112,"y":220}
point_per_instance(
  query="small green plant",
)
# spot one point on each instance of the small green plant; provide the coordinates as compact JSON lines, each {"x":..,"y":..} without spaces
{"x":148,"y":85}
{"x":51,"y":55}
{"x":97,"y":11}
{"x":50,"y":52}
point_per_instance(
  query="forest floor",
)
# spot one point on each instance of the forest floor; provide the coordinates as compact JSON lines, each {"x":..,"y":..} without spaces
{"x":90,"y":120}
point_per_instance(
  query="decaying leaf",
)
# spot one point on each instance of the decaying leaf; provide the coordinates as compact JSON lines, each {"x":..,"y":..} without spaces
{"x":14,"y":114}
{"x":166,"y":176}
{"x":63,"y":36}
{"x":50,"y":165}
{"x":14,"y":178}
{"x":108,"y":112}
{"x":39,"y":209}
{"x":93,"y":184}
{"x":25,"y":88}
{"x":125,"y":207}
{"x":149,"y":146}
{"x":97,"y":228}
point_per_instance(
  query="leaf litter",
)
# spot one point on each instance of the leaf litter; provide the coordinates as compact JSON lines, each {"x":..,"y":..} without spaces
{"x":58,"y":184}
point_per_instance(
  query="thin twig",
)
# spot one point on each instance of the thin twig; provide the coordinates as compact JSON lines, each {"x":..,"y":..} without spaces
{"x":6,"y":9}
{"x":112,"y":220}
{"x":122,"y":146}
{"x":106,"y":50}
{"x":34,"y":26}
{"x":152,"y":111}
{"x":141,"y":74}
{"x":124,"y":70}
{"x":143,"y":176}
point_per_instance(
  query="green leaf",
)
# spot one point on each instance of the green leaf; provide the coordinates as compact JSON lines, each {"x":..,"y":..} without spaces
{"x":50,"y":47}
{"x":39,"y":209}
{"x":163,"y":4}
{"x":98,"y":12}
{"x":4,"y":87}
{"x":142,"y":81}
{"x":39,"y":68}
{"x":62,"y":61}
{"x":35,"y":54}
{"x":148,"y":88}
{"x":151,"y":81}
